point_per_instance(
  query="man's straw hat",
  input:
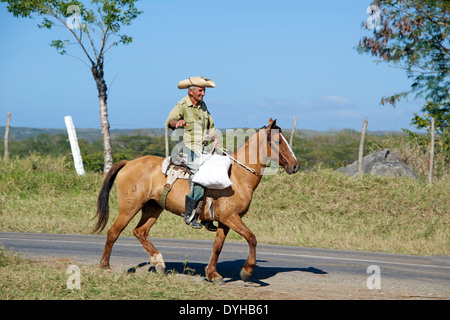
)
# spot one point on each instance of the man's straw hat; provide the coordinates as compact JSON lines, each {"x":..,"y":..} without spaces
{"x":197,"y":82}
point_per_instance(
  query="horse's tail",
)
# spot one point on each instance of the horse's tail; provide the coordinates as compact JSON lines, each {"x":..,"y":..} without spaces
{"x":103,"y":197}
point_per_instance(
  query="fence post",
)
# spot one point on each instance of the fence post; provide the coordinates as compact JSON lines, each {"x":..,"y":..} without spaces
{"x":291,"y":140}
{"x":361,"y":149}
{"x":430,"y":174}
{"x":166,"y":140}
{"x":8,"y":123}
{"x":78,"y":162}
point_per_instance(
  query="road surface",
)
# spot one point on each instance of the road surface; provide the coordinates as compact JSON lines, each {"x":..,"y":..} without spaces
{"x":282,"y":272}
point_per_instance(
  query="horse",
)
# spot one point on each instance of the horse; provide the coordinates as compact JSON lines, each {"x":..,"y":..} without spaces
{"x":140,"y":183}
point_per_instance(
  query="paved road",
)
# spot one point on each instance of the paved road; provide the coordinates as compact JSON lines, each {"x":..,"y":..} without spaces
{"x":294,"y":272}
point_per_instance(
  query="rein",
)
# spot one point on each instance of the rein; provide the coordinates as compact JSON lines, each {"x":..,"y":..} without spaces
{"x":225,"y":151}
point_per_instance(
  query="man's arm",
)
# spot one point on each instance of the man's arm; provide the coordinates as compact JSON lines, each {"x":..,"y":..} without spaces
{"x":175,"y":118}
{"x":212,"y":131}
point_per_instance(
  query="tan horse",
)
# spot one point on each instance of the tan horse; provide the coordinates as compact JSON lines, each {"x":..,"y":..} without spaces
{"x":140,"y":183}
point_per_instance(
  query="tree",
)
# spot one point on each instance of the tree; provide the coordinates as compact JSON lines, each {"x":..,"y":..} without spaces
{"x":413,"y":35}
{"x":95,"y":28}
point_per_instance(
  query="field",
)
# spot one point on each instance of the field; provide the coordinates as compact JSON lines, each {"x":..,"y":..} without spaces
{"x":316,"y":208}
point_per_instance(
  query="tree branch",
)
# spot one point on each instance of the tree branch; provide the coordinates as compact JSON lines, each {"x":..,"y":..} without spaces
{"x":56,"y":16}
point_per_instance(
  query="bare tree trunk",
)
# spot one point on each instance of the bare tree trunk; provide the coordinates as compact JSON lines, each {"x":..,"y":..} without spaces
{"x":97,"y":72}
{"x":8,"y":123}
{"x":430,"y":174}
{"x":107,"y":150}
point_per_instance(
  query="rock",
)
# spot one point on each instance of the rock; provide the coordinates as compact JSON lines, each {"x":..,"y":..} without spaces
{"x":381,"y":163}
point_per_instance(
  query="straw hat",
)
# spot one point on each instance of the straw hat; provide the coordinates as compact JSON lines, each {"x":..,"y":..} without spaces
{"x":196,"y":81}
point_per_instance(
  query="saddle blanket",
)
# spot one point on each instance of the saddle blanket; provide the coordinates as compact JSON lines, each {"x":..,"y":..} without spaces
{"x":184,"y":175}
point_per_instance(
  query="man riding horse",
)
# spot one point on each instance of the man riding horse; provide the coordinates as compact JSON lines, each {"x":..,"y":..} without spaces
{"x":192,"y":116}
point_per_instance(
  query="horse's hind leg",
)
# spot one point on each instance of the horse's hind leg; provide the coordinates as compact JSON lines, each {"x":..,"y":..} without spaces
{"x":126,"y":213}
{"x":150,"y":213}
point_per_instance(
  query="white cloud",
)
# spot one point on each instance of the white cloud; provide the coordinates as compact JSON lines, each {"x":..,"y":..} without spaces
{"x":336,"y":100}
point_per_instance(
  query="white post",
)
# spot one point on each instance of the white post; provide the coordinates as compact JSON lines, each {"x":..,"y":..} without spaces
{"x":74,"y":145}
{"x":166,"y":140}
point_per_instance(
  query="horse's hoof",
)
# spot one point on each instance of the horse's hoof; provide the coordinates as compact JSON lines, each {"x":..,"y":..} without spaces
{"x":244,"y":275}
{"x":218,"y":280}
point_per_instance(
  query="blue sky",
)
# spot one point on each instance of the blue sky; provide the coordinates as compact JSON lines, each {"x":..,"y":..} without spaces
{"x":268,"y":59}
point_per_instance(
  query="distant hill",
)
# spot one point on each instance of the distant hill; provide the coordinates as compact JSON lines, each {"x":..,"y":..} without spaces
{"x":22,"y":133}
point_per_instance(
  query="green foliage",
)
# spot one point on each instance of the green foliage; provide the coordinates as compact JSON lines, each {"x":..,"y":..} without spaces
{"x":100,"y":17}
{"x":125,"y":147}
{"x":415,"y":37}
{"x":329,"y":149}
{"x":94,"y":161}
{"x":441,"y":116}
{"x":332,"y":150}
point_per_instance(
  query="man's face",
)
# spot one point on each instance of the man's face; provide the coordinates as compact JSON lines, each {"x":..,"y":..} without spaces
{"x":197,"y":94}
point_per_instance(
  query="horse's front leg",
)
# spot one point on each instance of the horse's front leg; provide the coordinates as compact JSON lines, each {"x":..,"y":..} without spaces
{"x":211,"y":268}
{"x":235,"y":223}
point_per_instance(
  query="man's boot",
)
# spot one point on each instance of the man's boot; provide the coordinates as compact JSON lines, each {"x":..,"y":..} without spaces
{"x":190,"y":213}
{"x":209,"y":225}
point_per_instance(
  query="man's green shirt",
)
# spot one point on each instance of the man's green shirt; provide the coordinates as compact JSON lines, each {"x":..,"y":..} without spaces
{"x":199,"y":119}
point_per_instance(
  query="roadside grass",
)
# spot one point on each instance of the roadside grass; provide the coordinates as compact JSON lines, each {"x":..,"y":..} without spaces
{"x":323,"y":208}
{"x":317,"y":208}
{"x":27,"y":279}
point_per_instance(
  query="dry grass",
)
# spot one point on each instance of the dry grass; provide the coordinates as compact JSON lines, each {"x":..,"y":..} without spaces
{"x":27,"y":279}
{"x":319,"y":208}
{"x":326,"y":209}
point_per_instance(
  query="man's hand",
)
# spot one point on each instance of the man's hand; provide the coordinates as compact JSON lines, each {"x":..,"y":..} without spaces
{"x":178,"y":123}
{"x":215,"y":142}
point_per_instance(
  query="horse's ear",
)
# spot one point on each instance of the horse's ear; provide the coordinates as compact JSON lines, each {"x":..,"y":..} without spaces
{"x":272,"y":123}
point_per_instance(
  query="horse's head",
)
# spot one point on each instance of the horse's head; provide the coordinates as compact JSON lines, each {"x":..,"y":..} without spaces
{"x":280,"y":149}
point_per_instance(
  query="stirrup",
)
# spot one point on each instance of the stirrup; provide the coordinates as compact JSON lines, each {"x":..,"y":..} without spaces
{"x":209,"y":225}
{"x":194,"y":224}
{"x":188,"y":219}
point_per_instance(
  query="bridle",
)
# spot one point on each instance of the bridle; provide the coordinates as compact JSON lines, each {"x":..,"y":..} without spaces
{"x":283,"y":161}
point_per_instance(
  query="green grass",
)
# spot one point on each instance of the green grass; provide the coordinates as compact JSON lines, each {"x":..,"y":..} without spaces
{"x":318,"y":208}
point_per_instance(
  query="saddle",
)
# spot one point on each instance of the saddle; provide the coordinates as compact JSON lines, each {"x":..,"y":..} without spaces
{"x":175,"y":168}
